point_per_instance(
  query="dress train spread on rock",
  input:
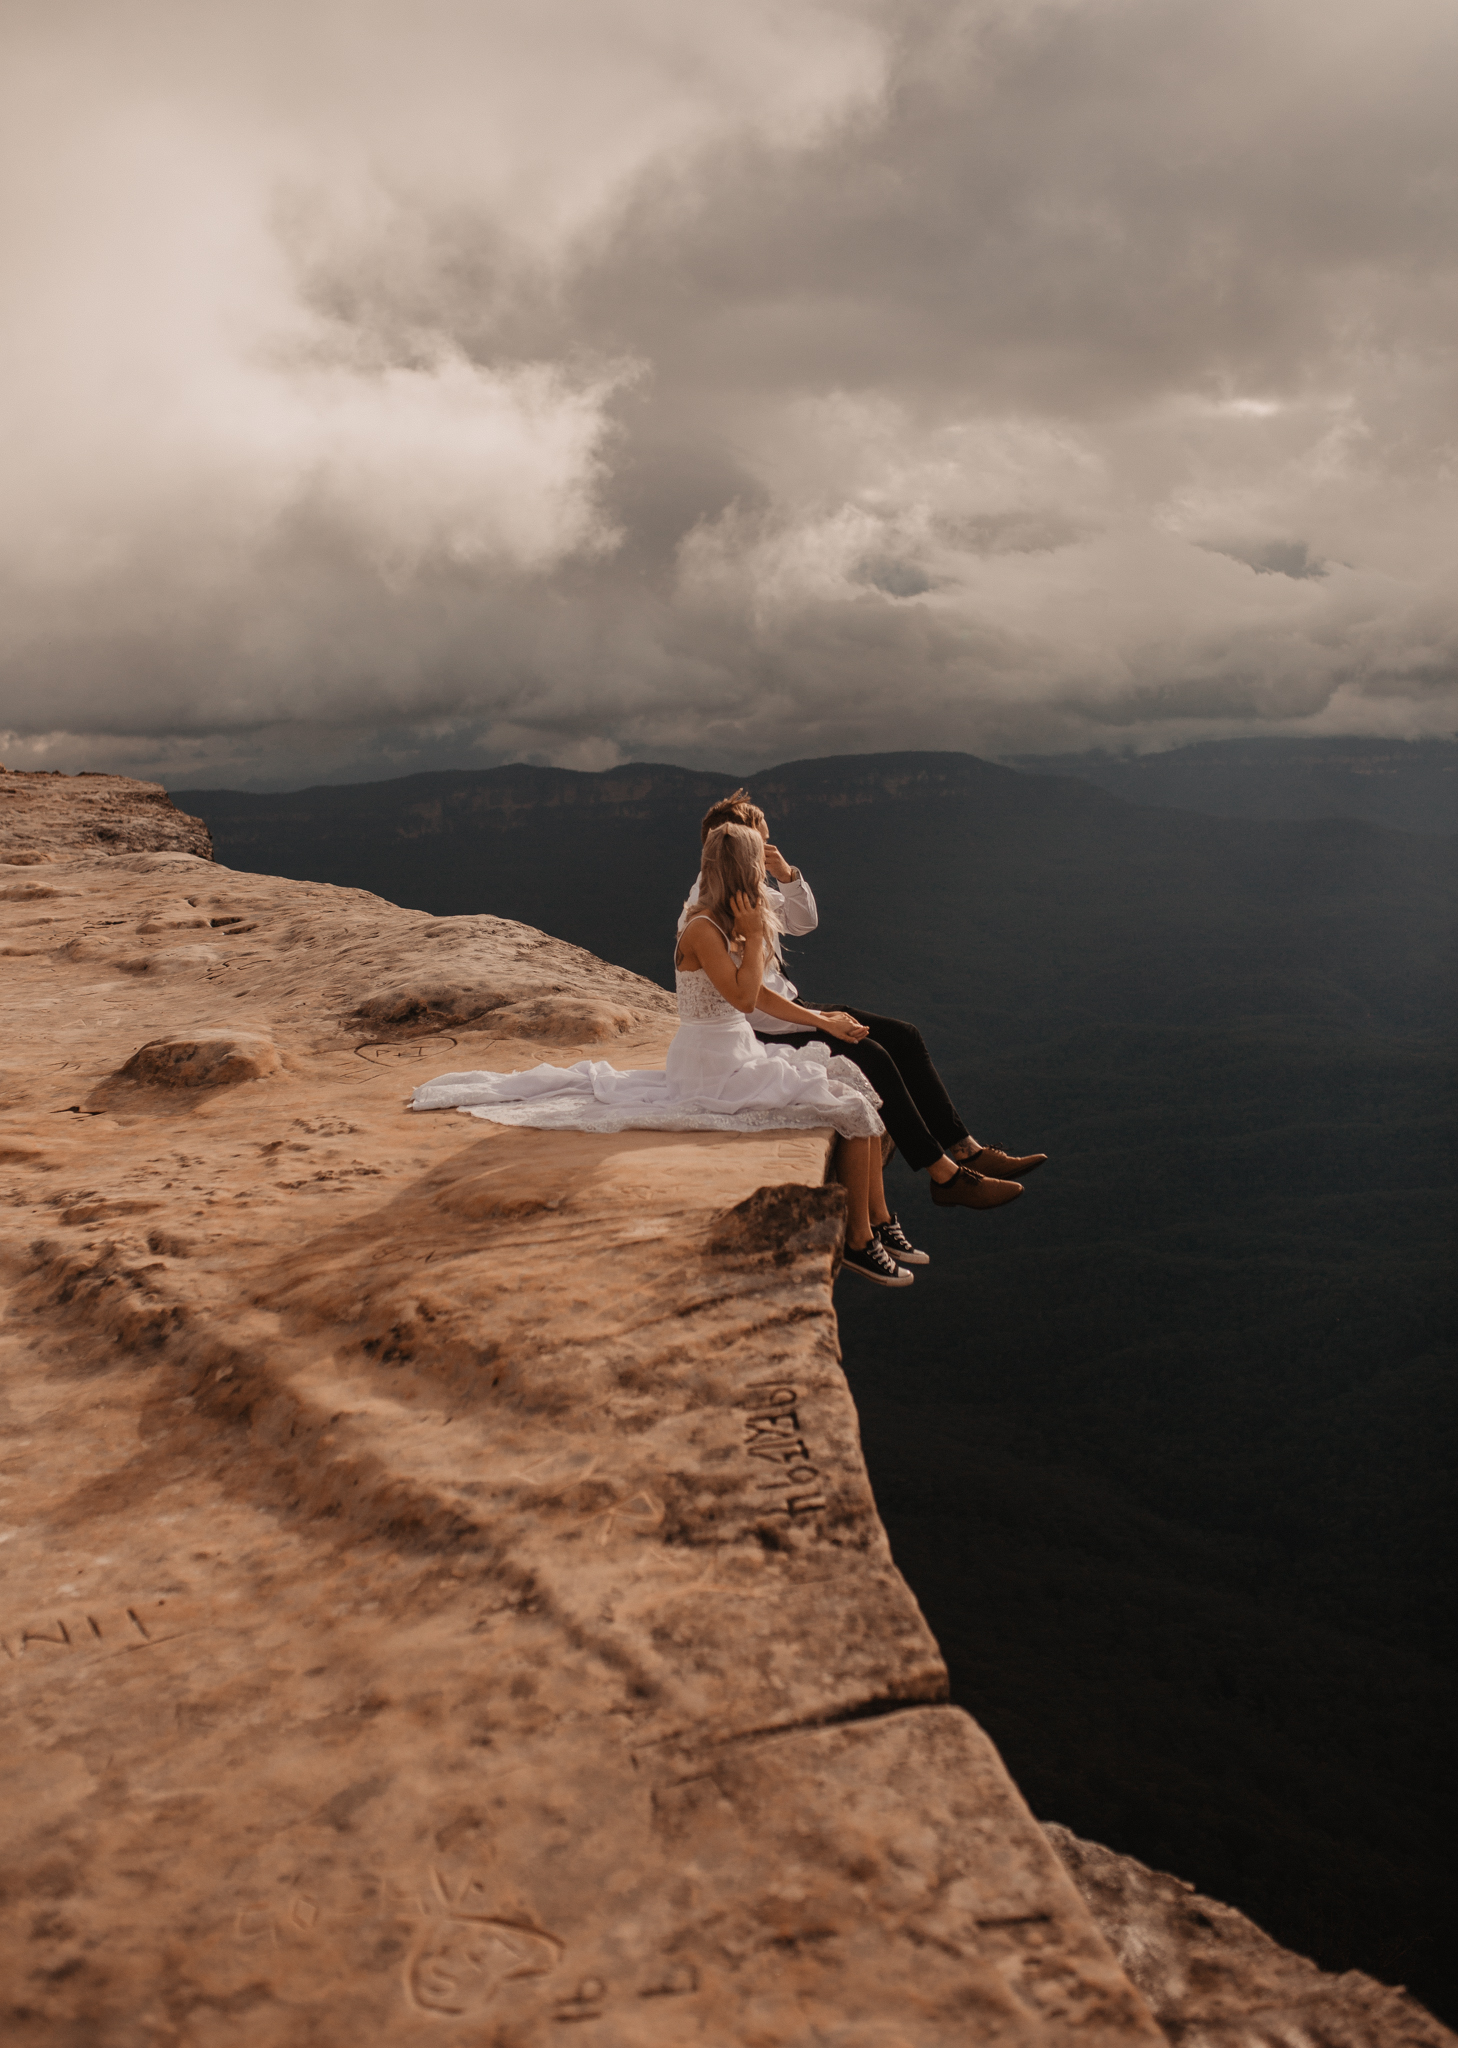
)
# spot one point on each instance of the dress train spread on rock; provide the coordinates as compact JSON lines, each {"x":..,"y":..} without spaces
{"x":718,"y":1077}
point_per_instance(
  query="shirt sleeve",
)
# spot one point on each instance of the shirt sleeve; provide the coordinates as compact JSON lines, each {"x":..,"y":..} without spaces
{"x":690,"y":904}
{"x":800,"y":913}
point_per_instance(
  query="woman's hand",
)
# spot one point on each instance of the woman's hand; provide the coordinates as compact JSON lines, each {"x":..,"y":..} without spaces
{"x":840,"y":1024}
{"x":749,"y":917}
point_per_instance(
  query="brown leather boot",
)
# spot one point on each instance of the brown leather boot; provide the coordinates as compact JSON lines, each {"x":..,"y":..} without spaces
{"x":971,"y":1190}
{"x":992,"y":1159}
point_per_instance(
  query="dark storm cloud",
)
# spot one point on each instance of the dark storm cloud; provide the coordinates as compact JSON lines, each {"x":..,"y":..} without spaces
{"x":628,"y":380}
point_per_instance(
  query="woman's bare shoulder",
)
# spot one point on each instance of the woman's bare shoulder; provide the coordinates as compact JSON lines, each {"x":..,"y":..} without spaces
{"x":699,"y":936}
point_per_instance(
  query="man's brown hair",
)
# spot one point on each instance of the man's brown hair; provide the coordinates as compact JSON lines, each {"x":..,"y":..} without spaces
{"x":732,"y":810}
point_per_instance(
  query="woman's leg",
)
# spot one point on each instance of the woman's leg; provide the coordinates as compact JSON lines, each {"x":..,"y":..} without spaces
{"x":876,"y":1187}
{"x":853,"y":1171}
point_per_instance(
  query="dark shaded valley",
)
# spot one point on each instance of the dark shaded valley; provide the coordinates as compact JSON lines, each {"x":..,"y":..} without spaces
{"x":1163,"y":1449}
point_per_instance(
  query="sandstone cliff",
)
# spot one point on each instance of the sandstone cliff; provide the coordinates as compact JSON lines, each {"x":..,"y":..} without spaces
{"x":44,"y":817}
{"x":442,"y":1597}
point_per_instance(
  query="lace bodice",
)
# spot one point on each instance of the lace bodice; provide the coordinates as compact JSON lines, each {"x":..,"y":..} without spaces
{"x":699,"y":1002}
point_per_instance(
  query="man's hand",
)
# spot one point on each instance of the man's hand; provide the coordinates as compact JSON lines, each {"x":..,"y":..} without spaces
{"x":776,"y":864}
{"x":840,"y":1025}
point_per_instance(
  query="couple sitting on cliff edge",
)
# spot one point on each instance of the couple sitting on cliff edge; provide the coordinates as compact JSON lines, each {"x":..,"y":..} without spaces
{"x":749,"y":1056}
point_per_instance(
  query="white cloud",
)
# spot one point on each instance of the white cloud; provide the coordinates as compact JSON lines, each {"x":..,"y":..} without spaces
{"x":612,"y":379}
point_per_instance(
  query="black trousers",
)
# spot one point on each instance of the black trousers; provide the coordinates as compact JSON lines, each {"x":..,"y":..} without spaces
{"x":915,"y":1106}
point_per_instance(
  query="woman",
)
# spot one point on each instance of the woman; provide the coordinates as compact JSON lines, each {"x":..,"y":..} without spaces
{"x":718,"y":1075}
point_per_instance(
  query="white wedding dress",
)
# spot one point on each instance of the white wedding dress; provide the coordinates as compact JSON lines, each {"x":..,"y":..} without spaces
{"x":719,"y":1077}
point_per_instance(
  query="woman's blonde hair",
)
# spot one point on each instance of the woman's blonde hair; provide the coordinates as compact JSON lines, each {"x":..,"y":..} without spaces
{"x":734,"y":861}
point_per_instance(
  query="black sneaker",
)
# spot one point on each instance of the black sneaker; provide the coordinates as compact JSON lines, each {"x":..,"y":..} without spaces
{"x":874,"y":1262}
{"x":899,"y":1244}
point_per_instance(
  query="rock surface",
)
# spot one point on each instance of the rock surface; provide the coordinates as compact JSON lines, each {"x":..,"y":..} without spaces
{"x":442,"y":1600}
{"x":1214,"y":1980}
{"x":44,"y":817}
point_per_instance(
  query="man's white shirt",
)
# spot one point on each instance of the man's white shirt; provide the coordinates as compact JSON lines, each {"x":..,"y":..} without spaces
{"x":799,"y":916}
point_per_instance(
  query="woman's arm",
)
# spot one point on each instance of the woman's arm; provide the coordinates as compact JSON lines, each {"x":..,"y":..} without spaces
{"x":704,"y":945}
{"x":835,"y":1022}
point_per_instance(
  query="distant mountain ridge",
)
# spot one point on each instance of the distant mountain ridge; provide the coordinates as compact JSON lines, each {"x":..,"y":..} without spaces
{"x":1410,"y":785}
{"x":437,"y":800}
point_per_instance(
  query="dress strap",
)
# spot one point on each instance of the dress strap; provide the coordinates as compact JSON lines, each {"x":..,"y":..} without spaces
{"x":700,"y":917}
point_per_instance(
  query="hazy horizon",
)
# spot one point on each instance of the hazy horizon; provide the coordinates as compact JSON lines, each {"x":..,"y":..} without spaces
{"x":396,"y":390}
{"x":1274,"y":746}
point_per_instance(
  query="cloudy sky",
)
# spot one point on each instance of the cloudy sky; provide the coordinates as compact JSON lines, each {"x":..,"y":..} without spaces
{"x":390,"y":386}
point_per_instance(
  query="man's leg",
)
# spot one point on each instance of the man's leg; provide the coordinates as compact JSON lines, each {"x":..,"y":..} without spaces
{"x":952,"y":1184}
{"x":928,"y":1091}
{"x":899,"y":1112}
{"x":924,"y":1084}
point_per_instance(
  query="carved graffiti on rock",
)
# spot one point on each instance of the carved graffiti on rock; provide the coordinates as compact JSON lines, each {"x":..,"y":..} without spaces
{"x":392,"y":1051}
{"x":774,"y":1439}
{"x":146,"y":1624}
{"x":461,"y":1965}
{"x":466,"y":1954}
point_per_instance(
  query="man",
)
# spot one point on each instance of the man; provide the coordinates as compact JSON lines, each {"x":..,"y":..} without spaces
{"x":915,"y":1107}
